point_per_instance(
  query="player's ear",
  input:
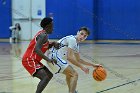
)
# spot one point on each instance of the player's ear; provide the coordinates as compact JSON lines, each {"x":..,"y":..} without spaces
{"x":78,"y":31}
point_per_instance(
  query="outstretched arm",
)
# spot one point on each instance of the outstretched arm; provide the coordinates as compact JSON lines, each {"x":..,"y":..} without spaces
{"x":77,"y":56}
{"x":70,"y":58}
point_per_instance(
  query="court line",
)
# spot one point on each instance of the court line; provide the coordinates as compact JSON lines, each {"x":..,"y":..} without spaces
{"x":121,"y":76}
{"x":118,"y":86}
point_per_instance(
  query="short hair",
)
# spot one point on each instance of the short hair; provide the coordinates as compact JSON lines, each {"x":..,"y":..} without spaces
{"x":85,"y":29}
{"x":18,"y":26}
{"x":45,"y":21}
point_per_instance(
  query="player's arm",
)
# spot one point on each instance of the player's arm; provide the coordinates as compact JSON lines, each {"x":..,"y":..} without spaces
{"x":41,"y":39}
{"x":54,"y":44}
{"x":77,"y":56}
{"x":12,"y":27}
{"x":70,"y":57}
{"x":70,"y":52}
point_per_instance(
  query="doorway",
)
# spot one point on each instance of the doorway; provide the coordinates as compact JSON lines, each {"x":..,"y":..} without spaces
{"x":29,"y":14}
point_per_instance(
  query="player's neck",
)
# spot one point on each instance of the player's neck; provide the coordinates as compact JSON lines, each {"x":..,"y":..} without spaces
{"x":77,"y":39}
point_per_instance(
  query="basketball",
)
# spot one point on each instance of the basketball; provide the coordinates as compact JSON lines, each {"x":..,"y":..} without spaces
{"x":99,"y":74}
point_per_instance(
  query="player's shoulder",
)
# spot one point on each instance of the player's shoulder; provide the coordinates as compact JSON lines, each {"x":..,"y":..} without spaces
{"x":42,"y":33}
{"x":72,"y":40}
{"x":42,"y":36}
{"x":71,"y":37}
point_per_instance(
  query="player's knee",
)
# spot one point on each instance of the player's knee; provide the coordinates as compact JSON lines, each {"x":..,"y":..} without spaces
{"x":46,"y":79}
{"x":49,"y":73}
{"x":74,"y":74}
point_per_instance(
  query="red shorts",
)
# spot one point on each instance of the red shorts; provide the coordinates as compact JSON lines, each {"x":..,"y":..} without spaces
{"x":31,"y":65}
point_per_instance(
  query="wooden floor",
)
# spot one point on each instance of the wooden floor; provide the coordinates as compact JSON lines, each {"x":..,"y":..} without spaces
{"x":122,"y":62}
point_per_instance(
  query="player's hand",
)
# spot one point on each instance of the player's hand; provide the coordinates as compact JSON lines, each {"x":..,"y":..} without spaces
{"x":86,"y":70}
{"x":53,"y":61}
{"x":56,"y":45}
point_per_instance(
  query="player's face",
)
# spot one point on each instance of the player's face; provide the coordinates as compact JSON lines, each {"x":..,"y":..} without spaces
{"x":81,"y":35}
{"x":49,"y":28}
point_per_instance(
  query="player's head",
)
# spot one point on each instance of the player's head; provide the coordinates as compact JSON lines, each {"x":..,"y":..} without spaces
{"x":47,"y":24}
{"x":82,"y":34}
{"x":17,"y":26}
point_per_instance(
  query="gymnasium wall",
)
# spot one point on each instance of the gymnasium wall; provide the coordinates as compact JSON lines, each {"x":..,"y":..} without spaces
{"x":5,"y":18}
{"x":107,"y":19}
{"x":117,"y":19}
{"x":70,"y":15}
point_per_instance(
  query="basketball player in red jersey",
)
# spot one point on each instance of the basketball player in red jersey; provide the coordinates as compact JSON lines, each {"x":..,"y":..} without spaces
{"x":35,"y":52}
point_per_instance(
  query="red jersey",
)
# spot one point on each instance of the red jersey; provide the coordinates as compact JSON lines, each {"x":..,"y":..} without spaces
{"x":30,"y":52}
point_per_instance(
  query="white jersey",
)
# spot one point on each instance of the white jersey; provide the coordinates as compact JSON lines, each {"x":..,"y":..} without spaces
{"x":67,"y":42}
{"x":61,"y":54}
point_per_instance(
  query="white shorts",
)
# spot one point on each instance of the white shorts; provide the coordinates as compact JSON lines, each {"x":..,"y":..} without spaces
{"x":61,"y":63}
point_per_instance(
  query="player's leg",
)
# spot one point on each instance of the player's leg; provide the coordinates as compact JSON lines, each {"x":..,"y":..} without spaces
{"x":68,"y":81}
{"x":14,"y":39}
{"x":71,"y":78}
{"x":71,"y":74}
{"x":44,"y":76}
{"x":50,"y":74}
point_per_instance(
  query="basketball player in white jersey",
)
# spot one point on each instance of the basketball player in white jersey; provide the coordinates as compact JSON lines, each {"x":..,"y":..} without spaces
{"x":69,"y":51}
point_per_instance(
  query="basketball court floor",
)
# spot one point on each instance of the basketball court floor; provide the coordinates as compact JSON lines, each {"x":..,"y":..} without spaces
{"x":121,"y":61}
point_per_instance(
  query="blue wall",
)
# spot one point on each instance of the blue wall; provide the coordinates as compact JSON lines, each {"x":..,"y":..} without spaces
{"x":107,"y":19}
{"x":117,"y":19}
{"x":70,"y":15}
{"x":5,"y":18}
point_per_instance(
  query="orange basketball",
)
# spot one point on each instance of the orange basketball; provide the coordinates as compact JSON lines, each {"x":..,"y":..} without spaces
{"x":99,"y":74}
